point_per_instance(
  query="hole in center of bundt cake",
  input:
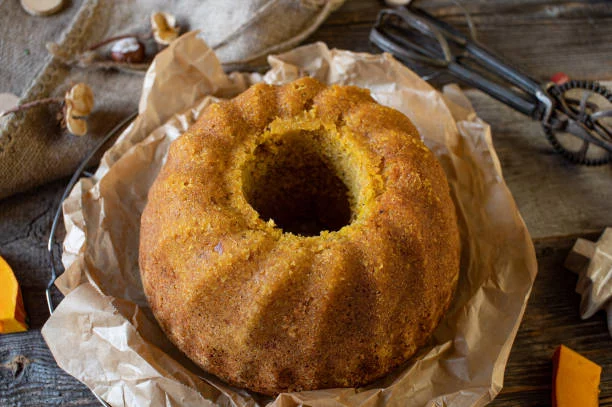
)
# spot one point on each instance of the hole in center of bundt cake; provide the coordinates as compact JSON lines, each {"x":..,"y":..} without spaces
{"x":294,"y":180}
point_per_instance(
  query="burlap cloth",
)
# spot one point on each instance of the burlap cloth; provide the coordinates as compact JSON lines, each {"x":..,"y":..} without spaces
{"x":33,"y":147}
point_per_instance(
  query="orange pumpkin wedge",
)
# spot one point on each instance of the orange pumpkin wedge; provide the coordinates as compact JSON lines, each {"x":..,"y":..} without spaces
{"x":575,"y":379}
{"x":12,"y":314}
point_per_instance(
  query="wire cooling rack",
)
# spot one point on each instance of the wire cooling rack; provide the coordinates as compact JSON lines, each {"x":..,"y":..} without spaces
{"x":80,"y":171}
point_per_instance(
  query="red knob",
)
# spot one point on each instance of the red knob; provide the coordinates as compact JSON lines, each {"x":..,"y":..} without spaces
{"x":560,"y":78}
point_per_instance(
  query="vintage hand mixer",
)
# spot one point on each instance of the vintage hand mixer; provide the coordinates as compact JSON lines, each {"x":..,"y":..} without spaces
{"x":576,"y":115}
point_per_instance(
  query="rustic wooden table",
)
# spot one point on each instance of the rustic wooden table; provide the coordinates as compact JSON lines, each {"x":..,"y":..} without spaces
{"x":558,"y":201}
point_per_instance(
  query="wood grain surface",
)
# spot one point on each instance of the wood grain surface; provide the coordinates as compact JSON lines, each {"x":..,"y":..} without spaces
{"x":558,"y":201}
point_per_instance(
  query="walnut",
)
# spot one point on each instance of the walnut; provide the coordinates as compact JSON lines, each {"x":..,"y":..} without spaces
{"x":164,"y":27}
{"x":80,"y":99}
{"x":78,"y":103}
{"x":77,"y":127}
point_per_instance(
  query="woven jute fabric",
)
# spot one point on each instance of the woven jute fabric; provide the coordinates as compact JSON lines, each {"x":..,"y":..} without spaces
{"x":33,"y":147}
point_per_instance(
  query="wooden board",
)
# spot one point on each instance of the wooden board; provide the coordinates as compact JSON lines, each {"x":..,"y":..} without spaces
{"x":539,"y":37}
{"x":553,"y":318}
{"x":29,"y":375}
{"x":556,"y":198}
{"x":558,"y":201}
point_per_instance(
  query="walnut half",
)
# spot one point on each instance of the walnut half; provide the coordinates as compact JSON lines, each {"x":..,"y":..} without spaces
{"x":164,"y":27}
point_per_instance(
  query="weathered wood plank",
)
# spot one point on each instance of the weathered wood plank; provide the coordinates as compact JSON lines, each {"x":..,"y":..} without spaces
{"x":539,"y":37}
{"x":25,"y":221}
{"x":556,"y":198}
{"x":360,"y":11}
{"x":29,"y":375}
{"x":558,"y":201}
{"x":552,"y":318}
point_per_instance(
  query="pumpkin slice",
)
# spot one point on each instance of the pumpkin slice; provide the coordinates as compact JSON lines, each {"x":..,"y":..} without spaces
{"x":575,"y":379}
{"x":12,"y":314}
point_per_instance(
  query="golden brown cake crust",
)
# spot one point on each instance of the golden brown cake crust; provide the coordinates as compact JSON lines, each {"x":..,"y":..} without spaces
{"x":274,"y":311}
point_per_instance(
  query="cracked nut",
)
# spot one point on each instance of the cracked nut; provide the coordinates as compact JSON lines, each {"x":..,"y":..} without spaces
{"x":164,"y":27}
{"x":75,"y":126}
{"x":78,"y":103}
{"x":80,"y":100}
{"x":128,"y":50}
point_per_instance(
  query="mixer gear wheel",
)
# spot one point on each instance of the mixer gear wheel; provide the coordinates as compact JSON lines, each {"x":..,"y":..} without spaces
{"x":587,"y":114}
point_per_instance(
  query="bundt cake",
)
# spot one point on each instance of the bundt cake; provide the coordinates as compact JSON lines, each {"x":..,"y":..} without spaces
{"x":299,"y":237}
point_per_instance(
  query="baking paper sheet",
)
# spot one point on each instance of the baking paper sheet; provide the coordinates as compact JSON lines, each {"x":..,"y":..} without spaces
{"x":104,"y":335}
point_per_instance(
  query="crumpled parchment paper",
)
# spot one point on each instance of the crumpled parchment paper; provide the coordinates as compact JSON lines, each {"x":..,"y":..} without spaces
{"x":104,"y":335}
{"x":592,"y":261}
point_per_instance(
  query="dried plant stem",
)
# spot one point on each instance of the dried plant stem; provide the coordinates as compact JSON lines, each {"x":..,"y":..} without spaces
{"x":34,"y":103}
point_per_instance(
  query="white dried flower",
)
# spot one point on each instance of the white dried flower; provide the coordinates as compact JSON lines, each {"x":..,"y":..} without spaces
{"x":164,"y":27}
{"x":128,"y":50}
